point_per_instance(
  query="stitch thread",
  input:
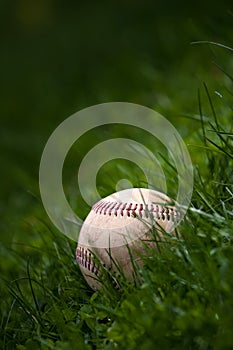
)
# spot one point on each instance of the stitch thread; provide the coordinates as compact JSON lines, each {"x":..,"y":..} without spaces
{"x":127,"y":209}
{"x":85,"y":258}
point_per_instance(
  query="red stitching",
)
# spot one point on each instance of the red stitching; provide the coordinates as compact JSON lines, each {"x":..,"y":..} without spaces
{"x":103,"y":206}
{"x":116,"y":209}
{"x":157,"y":212}
{"x":106,"y":207}
{"x":84,"y":258}
{"x":140,"y":209}
{"x":123,"y":208}
{"x":128,"y":209}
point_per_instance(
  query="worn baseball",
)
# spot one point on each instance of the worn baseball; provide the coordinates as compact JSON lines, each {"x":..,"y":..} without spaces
{"x":117,"y":228}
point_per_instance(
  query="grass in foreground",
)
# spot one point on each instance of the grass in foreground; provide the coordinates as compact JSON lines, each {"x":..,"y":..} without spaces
{"x":185,"y":299}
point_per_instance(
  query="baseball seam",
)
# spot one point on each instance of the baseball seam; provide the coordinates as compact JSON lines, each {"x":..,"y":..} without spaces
{"x":129,"y":209}
{"x":85,"y":258}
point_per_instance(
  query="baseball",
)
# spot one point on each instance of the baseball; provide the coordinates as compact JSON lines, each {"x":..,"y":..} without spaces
{"x":117,"y":228}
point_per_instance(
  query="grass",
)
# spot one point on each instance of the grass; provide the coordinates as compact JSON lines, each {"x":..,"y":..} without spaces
{"x":183,"y":295}
{"x":184,"y":300}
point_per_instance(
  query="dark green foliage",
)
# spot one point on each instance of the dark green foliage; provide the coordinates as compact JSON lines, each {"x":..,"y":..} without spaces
{"x":182,"y":298}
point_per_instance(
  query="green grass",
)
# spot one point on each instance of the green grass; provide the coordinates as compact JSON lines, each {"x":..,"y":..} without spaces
{"x":183,"y":296}
{"x":184,"y":300}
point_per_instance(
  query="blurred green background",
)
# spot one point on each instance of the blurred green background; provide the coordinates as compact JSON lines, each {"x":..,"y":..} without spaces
{"x":58,"y":57}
